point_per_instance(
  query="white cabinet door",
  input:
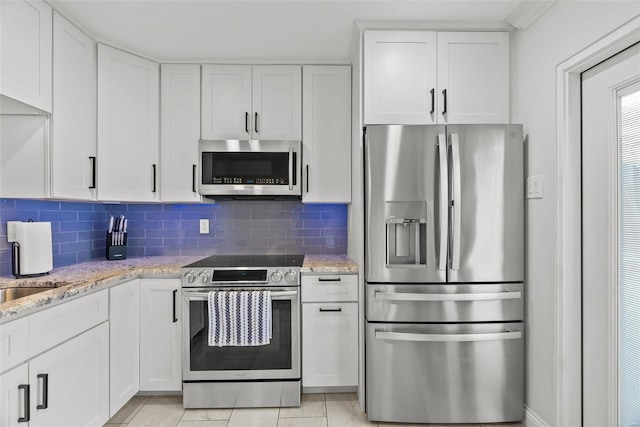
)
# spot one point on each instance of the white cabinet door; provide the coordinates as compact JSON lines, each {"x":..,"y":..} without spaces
{"x":326,"y":124}
{"x":73,"y":147}
{"x":330,"y":345}
{"x":474,"y":70}
{"x":226,"y":102}
{"x":160,"y":335}
{"x":277,"y":102}
{"x":124,"y":349}
{"x":70,"y":382}
{"x":179,"y":132}
{"x":14,"y":387}
{"x":25,"y":43}
{"x":128,"y":109}
{"x":14,"y":343}
{"x":400,"y":77}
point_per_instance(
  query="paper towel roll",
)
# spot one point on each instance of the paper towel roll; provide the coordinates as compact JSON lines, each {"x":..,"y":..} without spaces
{"x":34,"y":238}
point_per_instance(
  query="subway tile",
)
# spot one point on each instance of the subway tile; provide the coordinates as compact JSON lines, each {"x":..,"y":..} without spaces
{"x":65,"y":259}
{"x":58,"y":215}
{"x":242,"y":224}
{"x":179,"y":242}
{"x":72,"y":247}
{"x":334,"y":232}
{"x":133,"y":252}
{"x":71,"y":236}
{"x":75,"y":226}
{"x":38,"y":205}
{"x":92,"y":235}
{"x":162,"y":216}
{"x":20,"y":215}
{"x":280,"y":224}
{"x":195,"y":216}
{"x":333,"y":214}
{"x":259,"y":234}
{"x":172,"y":225}
{"x":319,"y":241}
{"x":147,"y":207}
{"x":175,"y":233}
{"x":180,"y":208}
{"x":302,"y":232}
{"x":76,"y":206}
{"x":7,"y":204}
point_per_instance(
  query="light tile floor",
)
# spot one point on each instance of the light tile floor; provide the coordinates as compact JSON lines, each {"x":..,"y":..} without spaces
{"x":317,"y":410}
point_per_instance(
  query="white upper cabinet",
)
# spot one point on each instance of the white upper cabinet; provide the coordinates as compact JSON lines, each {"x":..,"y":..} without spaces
{"x":128,"y":110}
{"x":422,"y":77}
{"x":25,"y":43}
{"x":474,"y":70}
{"x":226,"y":102}
{"x":277,"y":102}
{"x":326,"y":124}
{"x":400,"y":77}
{"x":73,"y":146}
{"x":251,"y":102}
{"x":179,"y":132}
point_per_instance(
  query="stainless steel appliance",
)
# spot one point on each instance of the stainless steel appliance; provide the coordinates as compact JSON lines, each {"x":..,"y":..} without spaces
{"x":444,"y":273}
{"x":257,"y":169}
{"x":242,"y":376}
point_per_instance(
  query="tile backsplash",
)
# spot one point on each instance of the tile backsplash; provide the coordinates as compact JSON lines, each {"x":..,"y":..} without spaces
{"x":235,"y":227}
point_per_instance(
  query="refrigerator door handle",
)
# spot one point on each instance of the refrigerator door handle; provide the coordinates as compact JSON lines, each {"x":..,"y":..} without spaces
{"x":401,"y":336}
{"x":456,"y":209}
{"x":443,"y":202}
{"x":392,"y":296}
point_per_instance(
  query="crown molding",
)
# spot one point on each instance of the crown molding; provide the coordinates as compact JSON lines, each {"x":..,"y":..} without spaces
{"x":527,"y":12}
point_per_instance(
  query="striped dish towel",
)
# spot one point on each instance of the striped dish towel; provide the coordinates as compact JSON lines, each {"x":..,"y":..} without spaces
{"x":239,"y":318}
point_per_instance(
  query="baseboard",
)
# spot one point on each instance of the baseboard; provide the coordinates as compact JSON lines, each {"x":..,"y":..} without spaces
{"x":531,"y":419}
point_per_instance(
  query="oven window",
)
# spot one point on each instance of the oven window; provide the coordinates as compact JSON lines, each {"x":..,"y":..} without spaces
{"x":246,"y":168}
{"x":276,"y":355}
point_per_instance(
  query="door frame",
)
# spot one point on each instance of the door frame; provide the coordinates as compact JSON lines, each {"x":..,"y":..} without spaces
{"x":568,"y":309}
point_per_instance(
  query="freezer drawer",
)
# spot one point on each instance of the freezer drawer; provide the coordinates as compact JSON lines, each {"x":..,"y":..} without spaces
{"x":445,"y":373}
{"x":498,"y":302}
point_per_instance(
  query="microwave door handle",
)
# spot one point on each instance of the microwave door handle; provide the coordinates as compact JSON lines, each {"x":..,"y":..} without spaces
{"x":290,"y":168}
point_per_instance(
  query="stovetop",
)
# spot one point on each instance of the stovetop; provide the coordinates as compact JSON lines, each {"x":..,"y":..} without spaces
{"x":234,"y":261}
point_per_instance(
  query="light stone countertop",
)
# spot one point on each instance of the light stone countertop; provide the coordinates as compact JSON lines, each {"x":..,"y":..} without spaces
{"x":75,"y":280}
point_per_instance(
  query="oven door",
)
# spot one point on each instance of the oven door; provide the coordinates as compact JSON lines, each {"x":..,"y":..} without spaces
{"x":278,"y":360}
{"x":250,"y":168}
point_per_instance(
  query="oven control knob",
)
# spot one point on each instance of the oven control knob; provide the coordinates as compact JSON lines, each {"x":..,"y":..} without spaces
{"x":204,"y":277}
{"x":290,"y":276}
{"x":190,"y":277}
{"x":276,"y":276}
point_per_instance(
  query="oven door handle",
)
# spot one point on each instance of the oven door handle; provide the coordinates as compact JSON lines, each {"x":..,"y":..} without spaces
{"x":274,"y":295}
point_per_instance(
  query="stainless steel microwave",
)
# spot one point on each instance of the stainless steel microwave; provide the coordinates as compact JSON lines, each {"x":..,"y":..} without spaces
{"x":250,"y":169}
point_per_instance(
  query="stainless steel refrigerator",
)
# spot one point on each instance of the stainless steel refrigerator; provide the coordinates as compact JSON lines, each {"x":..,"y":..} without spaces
{"x":444,"y":271}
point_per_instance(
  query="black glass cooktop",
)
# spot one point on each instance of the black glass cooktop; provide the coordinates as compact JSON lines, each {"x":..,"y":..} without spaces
{"x":249,"y":261}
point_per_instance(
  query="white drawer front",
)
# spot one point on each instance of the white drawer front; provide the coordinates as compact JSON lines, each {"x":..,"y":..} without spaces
{"x":14,"y":343}
{"x":329,"y":287}
{"x":50,"y":327}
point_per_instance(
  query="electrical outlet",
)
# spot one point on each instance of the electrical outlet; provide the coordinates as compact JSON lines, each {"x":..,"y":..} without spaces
{"x":204,"y":226}
{"x":12,"y":232}
{"x":534,"y":187}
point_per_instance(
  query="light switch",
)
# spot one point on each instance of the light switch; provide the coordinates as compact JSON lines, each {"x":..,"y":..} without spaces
{"x":534,"y":187}
{"x":204,"y":226}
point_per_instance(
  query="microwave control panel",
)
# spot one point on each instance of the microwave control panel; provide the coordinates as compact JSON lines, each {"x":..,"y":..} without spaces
{"x":249,"y":181}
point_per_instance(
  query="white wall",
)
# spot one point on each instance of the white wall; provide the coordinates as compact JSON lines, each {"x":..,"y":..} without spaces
{"x":566,"y":28}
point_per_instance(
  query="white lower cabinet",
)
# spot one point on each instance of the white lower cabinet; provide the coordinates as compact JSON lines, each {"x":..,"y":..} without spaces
{"x":124,"y":348}
{"x":14,"y":387}
{"x":160,"y":335}
{"x":69,"y":384}
{"x":329,"y":331}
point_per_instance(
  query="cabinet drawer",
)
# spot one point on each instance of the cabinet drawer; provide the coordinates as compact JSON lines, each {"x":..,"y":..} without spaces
{"x":14,"y":343}
{"x":330,"y":287}
{"x":50,"y":327}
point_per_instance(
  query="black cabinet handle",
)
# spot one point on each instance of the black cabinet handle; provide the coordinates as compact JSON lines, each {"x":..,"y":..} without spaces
{"x":45,"y":391}
{"x":433,"y":101}
{"x":175,"y":293}
{"x":193,"y":178}
{"x":330,"y":310}
{"x":332,"y":279}
{"x":246,"y":121}
{"x":92,"y":159}
{"x":153,"y":166}
{"x":255,"y":124}
{"x":444,"y":109}
{"x":307,"y":169}
{"x":27,"y":404}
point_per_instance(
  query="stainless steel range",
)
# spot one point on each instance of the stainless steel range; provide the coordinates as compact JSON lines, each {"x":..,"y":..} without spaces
{"x":242,"y":376}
